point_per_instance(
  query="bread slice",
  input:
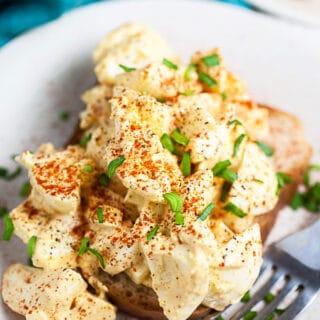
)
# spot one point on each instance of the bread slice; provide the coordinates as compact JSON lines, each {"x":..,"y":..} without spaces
{"x":292,"y":155}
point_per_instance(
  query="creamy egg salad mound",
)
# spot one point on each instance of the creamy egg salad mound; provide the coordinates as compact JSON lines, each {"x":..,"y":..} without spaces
{"x":164,"y":185}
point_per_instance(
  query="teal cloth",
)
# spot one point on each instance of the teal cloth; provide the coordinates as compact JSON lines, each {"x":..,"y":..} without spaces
{"x":17,"y":16}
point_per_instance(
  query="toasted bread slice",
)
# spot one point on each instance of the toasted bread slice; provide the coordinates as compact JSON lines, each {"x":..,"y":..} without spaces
{"x":292,"y":155}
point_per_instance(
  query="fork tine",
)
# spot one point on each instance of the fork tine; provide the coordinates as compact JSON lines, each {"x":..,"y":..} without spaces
{"x":296,"y":306}
{"x":290,"y":286}
{"x":259,"y":295}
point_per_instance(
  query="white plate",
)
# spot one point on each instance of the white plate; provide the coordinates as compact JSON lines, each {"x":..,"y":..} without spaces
{"x":44,"y":72}
{"x":305,"y":11}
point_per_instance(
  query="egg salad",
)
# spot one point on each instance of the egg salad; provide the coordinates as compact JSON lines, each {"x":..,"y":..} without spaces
{"x":164,"y":186}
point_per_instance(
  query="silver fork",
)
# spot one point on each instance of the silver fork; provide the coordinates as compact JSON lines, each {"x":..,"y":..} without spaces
{"x":294,"y":261}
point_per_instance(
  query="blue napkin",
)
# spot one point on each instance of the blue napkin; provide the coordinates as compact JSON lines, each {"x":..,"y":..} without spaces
{"x":17,"y":16}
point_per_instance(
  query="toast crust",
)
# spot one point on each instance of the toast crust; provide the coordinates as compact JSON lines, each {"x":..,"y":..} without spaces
{"x":141,"y":301}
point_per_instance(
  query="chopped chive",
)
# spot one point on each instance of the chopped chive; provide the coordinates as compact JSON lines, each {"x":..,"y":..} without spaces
{"x":246,"y":297}
{"x":179,"y":218}
{"x":87,"y":168}
{"x":104,"y":180}
{"x":161,"y":100}
{"x":221,"y":170}
{"x":169,"y":64}
{"x":211,"y":61}
{"x":191,"y":68}
{"x":83,"y":246}
{"x":100,"y":215}
{"x":235,"y":121}
{"x":297,"y":201}
{"x":224,"y":96}
{"x":188,"y":93}
{"x":186,"y":164}
{"x":225,"y":190}
{"x":25,"y":189}
{"x":269,"y":297}
{"x":179,"y":138}
{"x":64,"y":115}
{"x":264,"y":148}
{"x":126,"y":69}
{"x":113,"y":165}
{"x":206,"y":212}
{"x":237,"y":144}
{"x":306,"y":177}
{"x":98,"y":255}
{"x":167,"y":142}
{"x":175,"y":201}
{"x":152,"y":233}
{"x":270,"y":316}
{"x":282,"y":179}
{"x":3,"y":211}
{"x":220,"y":166}
{"x":31,"y":246}
{"x":14,"y":174}
{"x":279,"y":311}
{"x":231,"y":207}
{"x":250,"y":315}
{"x":228,"y":175}
{"x":84,"y":141}
{"x":206,"y":79}
{"x":4,"y":173}
{"x":258,"y":181}
{"x":8,"y":228}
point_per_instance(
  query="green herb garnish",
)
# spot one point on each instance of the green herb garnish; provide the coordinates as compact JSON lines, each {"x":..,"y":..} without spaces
{"x":269,"y":297}
{"x":211,"y":61}
{"x":152,"y":233}
{"x":270,"y":316}
{"x":6,"y":175}
{"x":31,"y":246}
{"x":246,"y":297}
{"x":250,"y":315}
{"x":169,"y":64}
{"x":258,"y":181}
{"x":87,"y":168}
{"x":306,"y":176}
{"x":84,"y":140}
{"x":161,"y":100}
{"x":266,"y":149}
{"x":188,"y":93}
{"x":224,"y":96}
{"x":282,"y":179}
{"x":188,"y":71}
{"x":25,"y":189}
{"x":100,"y":215}
{"x":8,"y":228}
{"x":167,"y":143}
{"x":83,"y":246}
{"x":3,"y":211}
{"x":98,"y":255}
{"x":179,"y":138}
{"x":206,"y":79}
{"x":231,"y":207}
{"x":64,"y":115}
{"x":219,"y":318}
{"x":175,"y":201}
{"x":235,"y":121}
{"x":225,"y":190}
{"x":179,"y":218}
{"x":237,"y":144}
{"x":221,"y":170}
{"x":126,"y":69}
{"x":206,"y":212}
{"x":104,"y":180}
{"x":186,"y":164}
{"x":113,"y":165}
